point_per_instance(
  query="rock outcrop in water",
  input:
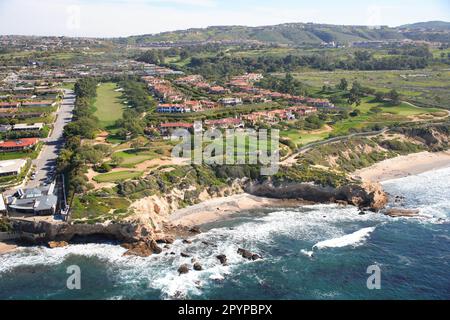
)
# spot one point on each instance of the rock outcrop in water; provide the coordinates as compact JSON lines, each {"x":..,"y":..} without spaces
{"x":142,"y":248}
{"x":222,"y":258}
{"x":183,"y":269}
{"x":248,"y":255}
{"x":57,"y":244}
{"x":398,"y":212}
{"x":367,"y":196}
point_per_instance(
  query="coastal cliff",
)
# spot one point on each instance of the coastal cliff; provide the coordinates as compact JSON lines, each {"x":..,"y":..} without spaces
{"x":151,"y":222}
{"x":367,"y":196}
{"x":42,"y":231}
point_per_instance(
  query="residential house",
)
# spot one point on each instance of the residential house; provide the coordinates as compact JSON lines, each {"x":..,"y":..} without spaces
{"x":225,"y":123}
{"x":28,"y":127}
{"x":12,"y":167}
{"x":208,"y":105}
{"x":35,"y":104}
{"x":172,"y":108}
{"x":319,"y":103}
{"x":194,"y":105}
{"x":36,"y":201}
{"x":5,"y":128}
{"x":230,"y":101}
{"x":167,"y":128}
{"x":9,"y":104}
{"x":218,"y":90}
{"x":18,"y":145}
{"x":303,"y":110}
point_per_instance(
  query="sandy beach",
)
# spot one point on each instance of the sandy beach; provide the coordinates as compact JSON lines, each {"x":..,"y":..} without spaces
{"x":403,"y":166}
{"x":7,"y":247}
{"x":222,"y":208}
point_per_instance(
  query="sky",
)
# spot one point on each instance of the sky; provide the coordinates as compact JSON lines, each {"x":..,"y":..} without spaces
{"x":117,"y":18}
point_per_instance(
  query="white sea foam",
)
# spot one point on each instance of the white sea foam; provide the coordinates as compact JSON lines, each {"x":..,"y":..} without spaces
{"x":307,"y":253}
{"x":428,"y":192}
{"x":45,"y":256}
{"x":353,"y":239}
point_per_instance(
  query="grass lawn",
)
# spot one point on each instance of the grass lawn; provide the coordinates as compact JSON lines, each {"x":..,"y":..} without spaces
{"x":300,"y":137}
{"x":22,"y":155}
{"x":132,"y":157}
{"x":154,"y":150}
{"x":108,"y":104}
{"x":117,"y":176}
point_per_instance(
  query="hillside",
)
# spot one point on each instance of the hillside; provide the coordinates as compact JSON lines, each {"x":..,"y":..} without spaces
{"x":430,"y":25}
{"x":291,"y":33}
{"x":299,"y":34}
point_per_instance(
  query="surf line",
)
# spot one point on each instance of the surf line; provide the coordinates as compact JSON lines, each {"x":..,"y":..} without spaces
{"x":352,"y":239}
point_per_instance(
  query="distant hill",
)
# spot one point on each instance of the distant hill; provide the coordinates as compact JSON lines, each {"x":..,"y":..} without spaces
{"x":290,"y":33}
{"x":297,"y":34}
{"x":430,"y":25}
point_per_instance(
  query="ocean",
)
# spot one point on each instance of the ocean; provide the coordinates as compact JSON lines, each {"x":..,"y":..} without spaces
{"x":310,"y":252}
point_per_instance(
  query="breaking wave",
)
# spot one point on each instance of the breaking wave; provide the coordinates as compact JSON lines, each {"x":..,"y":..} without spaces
{"x":354,"y":239}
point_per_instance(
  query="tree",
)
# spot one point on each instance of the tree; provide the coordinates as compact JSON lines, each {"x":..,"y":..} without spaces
{"x":379,"y":96}
{"x":88,"y":154}
{"x":343,"y":85}
{"x":151,"y":56}
{"x":355,"y":94}
{"x":64,"y":160}
{"x":394,"y":96}
{"x":355,"y":113}
{"x":138,"y":143}
{"x":116,"y":159}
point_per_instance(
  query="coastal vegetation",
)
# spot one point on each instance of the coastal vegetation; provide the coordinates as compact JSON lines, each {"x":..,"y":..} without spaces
{"x":360,"y":152}
{"x":5,"y":226}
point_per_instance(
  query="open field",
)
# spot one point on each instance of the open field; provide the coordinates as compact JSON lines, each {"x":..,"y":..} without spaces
{"x":108,"y":104}
{"x":428,"y":87}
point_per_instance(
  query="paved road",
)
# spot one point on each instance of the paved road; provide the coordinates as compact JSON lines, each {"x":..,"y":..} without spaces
{"x":46,"y":162}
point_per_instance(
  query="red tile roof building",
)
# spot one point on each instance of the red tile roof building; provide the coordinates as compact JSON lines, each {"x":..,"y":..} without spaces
{"x":18,"y":145}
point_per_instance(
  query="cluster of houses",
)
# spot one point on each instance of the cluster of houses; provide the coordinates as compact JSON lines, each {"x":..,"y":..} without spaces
{"x":267,"y":117}
{"x":24,"y":102}
{"x":172,"y":100}
{"x":241,"y":90}
{"x":275,"y":116}
{"x":163,"y":89}
{"x":36,"y":43}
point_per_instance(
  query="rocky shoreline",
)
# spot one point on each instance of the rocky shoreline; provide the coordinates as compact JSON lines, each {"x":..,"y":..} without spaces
{"x":366,"y":197}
